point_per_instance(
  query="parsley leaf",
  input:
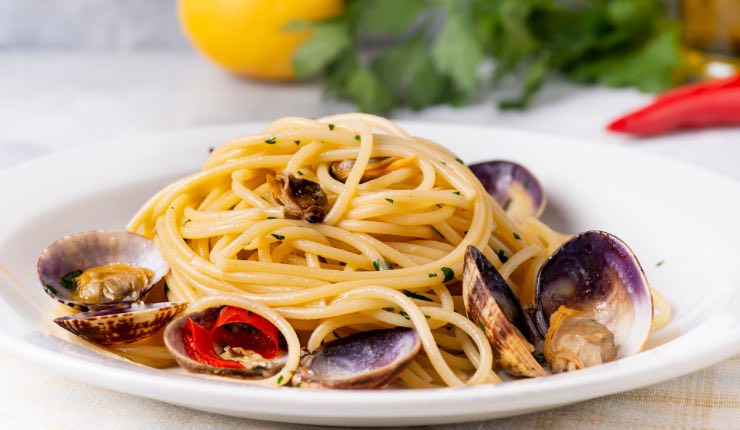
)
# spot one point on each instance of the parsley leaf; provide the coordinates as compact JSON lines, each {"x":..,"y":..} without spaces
{"x":457,"y":53}
{"x":277,"y":236}
{"x":68,"y":280}
{"x":449,"y":274}
{"x":417,"y":296}
{"x":330,"y":39}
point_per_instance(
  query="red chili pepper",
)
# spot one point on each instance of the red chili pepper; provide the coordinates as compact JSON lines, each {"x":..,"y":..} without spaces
{"x":264,"y":340}
{"x":715,"y":103}
{"x":200,"y":342}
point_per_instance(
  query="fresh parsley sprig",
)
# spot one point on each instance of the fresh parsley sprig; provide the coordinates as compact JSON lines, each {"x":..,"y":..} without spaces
{"x":384,"y":54}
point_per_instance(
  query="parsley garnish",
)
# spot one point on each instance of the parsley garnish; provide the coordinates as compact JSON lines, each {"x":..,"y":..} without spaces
{"x":501,"y":256}
{"x":437,"y":231}
{"x":457,"y":193}
{"x":417,"y":296}
{"x":297,"y":142}
{"x":660,"y":263}
{"x":249,"y":313}
{"x":166,"y":290}
{"x":426,"y":316}
{"x":540,"y":357}
{"x":300,"y":173}
{"x":50,"y":289}
{"x":376,"y":265}
{"x":389,"y":200}
{"x":460,"y":161}
{"x":449,"y":274}
{"x":68,"y":280}
{"x":357,"y":137}
{"x":280,"y":379}
{"x":298,"y":385}
{"x":516,"y":236}
{"x":433,"y":275}
{"x":186,"y":222}
{"x":331,"y":127}
{"x":443,"y":163}
{"x":404,"y":314}
{"x":389,"y":309}
{"x":480,"y":324}
{"x":388,"y":265}
{"x":271,"y":217}
{"x":271,"y":141}
{"x":439,"y":205}
{"x":278,"y":236}
{"x":336,"y":334}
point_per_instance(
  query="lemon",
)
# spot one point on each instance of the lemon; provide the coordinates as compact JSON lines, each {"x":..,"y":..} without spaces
{"x":248,"y":37}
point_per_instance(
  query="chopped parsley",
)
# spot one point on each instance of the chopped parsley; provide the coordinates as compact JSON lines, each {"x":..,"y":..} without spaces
{"x":68,"y":280}
{"x":460,"y":161}
{"x":540,"y":357}
{"x":376,"y":265}
{"x":417,"y":296}
{"x":389,"y":309}
{"x":300,"y":173}
{"x":357,"y":137}
{"x":439,"y":205}
{"x":166,"y":290}
{"x":443,"y":163}
{"x":433,"y":275}
{"x":331,"y":127}
{"x":297,"y":142}
{"x":501,"y":256}
{"x":186,"y":222}
{"x":280,"y":379}
{"x":278,"y":236}
{"x":271,"y":141}
{"x":336,"y":334}
{"x":388,"y":266}
{"x":437,"y":231}
{"x":480,"y":324}
{"x":427,"y":316}
{"x":516,"y":236}
{"x":298,"y":385}
{"x":660,"y":263}
{"x":271,"y":217}
{"x":389,"y":200}
{"x":249,"y":313}
{"x":457,"y":193}
{"x":404,"y":314}
{"x":50,"y":289}
{"x":449,"y":274}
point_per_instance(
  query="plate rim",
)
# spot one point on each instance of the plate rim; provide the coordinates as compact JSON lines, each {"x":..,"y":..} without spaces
{"x":691,"y":361}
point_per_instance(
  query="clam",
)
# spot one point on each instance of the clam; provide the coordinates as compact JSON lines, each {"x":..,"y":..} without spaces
{"x":302,"y":198}
{"x":223,"y":359}
{"x":124,"y":324}
{"x":98,"y":270}
{"x":376,"y":167}
{"x":364,"y":360}
{"x":513,"y":187}
{"x":493,"y":305}
{"x":593,"y":302}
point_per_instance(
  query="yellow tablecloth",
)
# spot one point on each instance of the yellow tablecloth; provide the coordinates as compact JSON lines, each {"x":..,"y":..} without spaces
{"x":34,"y":398}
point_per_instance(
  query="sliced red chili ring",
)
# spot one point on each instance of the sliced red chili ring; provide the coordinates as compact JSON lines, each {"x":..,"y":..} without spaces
{"x":261,"y":337}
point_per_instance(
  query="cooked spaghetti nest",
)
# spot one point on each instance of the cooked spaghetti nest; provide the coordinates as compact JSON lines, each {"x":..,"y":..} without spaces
{"x":388,"y":252}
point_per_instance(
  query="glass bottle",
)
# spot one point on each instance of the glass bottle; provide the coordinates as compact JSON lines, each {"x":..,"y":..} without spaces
{"x":711,"y":35}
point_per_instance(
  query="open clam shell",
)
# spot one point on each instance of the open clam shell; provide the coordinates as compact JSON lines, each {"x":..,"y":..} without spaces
{"x":173,"y":340}
{"x":492,"y":304}
{"x":121,"y":324}
{"x":513,"y":187}
{"x":82,"y":251}
{"x":365,"y":360}
{"x":597,"y":273}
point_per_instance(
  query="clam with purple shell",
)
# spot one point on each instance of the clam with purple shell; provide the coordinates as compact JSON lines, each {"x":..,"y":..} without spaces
{"x":106,"y":275}
{"x":513,"y":186}
{"x":593,"y":305}
{"x":364,"y":360}
{"x":593,"y":284}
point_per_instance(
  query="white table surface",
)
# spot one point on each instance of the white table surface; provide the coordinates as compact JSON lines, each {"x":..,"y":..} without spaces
{"x":49,"y":101}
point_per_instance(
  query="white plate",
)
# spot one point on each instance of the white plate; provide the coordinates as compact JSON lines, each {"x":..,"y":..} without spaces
{"x":663,"y":209}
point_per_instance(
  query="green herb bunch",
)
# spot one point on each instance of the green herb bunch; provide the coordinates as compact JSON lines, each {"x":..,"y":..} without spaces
{"x":384,"y":54}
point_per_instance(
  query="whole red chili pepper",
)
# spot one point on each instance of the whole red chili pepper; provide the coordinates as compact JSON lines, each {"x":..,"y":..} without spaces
{"x":715,"y":103}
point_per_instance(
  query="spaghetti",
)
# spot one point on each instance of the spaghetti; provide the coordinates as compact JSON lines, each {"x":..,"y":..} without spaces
{"x":389,"y":251}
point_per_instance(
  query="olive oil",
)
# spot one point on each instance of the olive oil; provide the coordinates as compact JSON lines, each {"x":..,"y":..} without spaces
{"x":711,"y":35}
